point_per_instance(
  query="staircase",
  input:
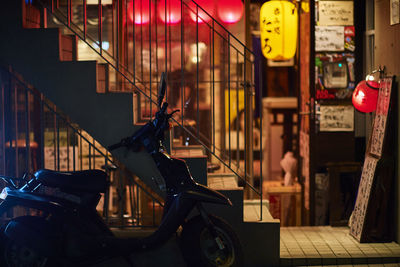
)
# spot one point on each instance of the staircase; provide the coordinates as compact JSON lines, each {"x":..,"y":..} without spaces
{"x":110,"y":99}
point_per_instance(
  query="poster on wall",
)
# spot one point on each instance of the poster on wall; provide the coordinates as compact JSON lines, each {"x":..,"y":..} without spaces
{"x":394,"y":12}
{"x":329,"y":38}
{"x":61,"y":161}
{"x":349,"y":41}
{"x":336,"y":118}
{"x":334,"y":13}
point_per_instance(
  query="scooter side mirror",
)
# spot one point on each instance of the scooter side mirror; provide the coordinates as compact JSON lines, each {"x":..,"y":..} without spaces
{"x":161,"y":90}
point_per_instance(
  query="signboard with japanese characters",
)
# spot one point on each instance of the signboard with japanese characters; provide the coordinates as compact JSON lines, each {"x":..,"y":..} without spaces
{"x":336,"y":118}
{"x":378,"y":169}
{"x":363,"y":196}
{"x":332,"y":13}
{"x":329,"y":38}
{"x":380,"y":120}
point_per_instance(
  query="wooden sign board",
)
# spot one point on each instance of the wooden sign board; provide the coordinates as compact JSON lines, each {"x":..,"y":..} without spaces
{"x":336,"y":118}
{"x":335,"y":13}
{"x":373,"y":168}
{"x":381,"y":115}
{"x":363,"y":197}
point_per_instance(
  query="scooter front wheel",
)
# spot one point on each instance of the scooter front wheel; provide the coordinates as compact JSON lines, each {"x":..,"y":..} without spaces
{"x":201,"y":248}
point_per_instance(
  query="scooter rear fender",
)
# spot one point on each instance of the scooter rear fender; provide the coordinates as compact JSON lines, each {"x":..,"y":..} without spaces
{"x":204,"y":194}
{"x":29,"y":200}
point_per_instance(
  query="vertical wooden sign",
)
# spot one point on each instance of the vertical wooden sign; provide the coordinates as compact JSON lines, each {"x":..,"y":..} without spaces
{"x":381,"y":115}
{"x":365,"y":195}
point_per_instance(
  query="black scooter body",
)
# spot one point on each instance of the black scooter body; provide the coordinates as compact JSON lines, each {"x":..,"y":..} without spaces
{"x":183,"y":195}
{"x":72,"y":222}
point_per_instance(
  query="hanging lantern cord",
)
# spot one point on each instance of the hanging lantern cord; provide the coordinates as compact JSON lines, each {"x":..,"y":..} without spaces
{"x":380,"y":70}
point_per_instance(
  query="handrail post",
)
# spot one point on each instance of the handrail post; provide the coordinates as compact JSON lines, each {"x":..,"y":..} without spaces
{"x":248,"y":92}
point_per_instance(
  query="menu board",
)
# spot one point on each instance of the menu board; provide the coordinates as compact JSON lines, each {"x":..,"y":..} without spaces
{"x":335,"y":13}
{"x":329,"y":38}
{"x":336,"y":118}
{"x":363,"y":196}
{"x":381,"y":115}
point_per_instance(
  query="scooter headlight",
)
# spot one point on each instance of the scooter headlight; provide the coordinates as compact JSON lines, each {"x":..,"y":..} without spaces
{"x":3,"y":194}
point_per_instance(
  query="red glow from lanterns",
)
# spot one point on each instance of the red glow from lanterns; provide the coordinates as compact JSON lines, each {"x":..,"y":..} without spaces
{"x":173,"y":11}
{"x":365,"y":96}
{"x":207,"y":5}
{"x":230,"y":11}
{"x":142,"y":9}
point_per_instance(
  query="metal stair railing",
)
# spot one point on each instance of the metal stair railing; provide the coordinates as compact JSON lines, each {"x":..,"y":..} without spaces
{"x":222,"y":72}
{"x":34,"y":135}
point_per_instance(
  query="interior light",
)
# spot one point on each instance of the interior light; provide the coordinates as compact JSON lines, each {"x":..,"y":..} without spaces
{"x":207,"y":5}
{"x":230,"y":11}
{"x":173,"y":14}
{"x":104,"y":45}
{"x":141,"y":11}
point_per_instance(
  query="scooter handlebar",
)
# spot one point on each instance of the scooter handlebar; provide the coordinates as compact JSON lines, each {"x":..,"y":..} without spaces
{"x":126,"y":142}
{"x":114,"y":146}
{"x":153,"y":131}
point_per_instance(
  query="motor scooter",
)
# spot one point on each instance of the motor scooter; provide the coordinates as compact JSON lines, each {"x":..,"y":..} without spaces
{"x":66,"y":229}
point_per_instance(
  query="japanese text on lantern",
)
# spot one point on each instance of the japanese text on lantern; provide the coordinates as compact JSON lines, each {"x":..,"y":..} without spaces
{"x":271,"y":26}
{"x":278,"y":26}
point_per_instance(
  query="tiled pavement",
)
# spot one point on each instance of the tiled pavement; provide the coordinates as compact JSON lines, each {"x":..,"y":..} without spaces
{"x":325,"y":245}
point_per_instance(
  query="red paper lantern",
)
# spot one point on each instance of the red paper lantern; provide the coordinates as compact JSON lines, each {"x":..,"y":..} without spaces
{"x":365,"y":96}
{"x":142,"y":9}
{"x":173,"y":11}
{"x":207,"y":5}
{"x":230,"y":11}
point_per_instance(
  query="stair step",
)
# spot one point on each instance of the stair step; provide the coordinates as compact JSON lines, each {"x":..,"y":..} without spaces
{"x":251,"y":211}
{"x":68,"y":47}
{"x":222,"y":182}
{"x":188,"y":151}
{"x":31,"y":16}
{"x":39,"y":44}
{"x":222,"y":175}
{"x":103,"y":81}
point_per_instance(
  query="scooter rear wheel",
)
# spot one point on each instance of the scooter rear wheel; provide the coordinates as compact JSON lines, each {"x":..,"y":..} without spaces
{"x":201,"y":249}
{"x":13,"y":254}
{"x":17,"y":254}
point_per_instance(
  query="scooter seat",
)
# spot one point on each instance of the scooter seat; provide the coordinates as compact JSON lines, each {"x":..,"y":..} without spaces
{"x":91,"y":181}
